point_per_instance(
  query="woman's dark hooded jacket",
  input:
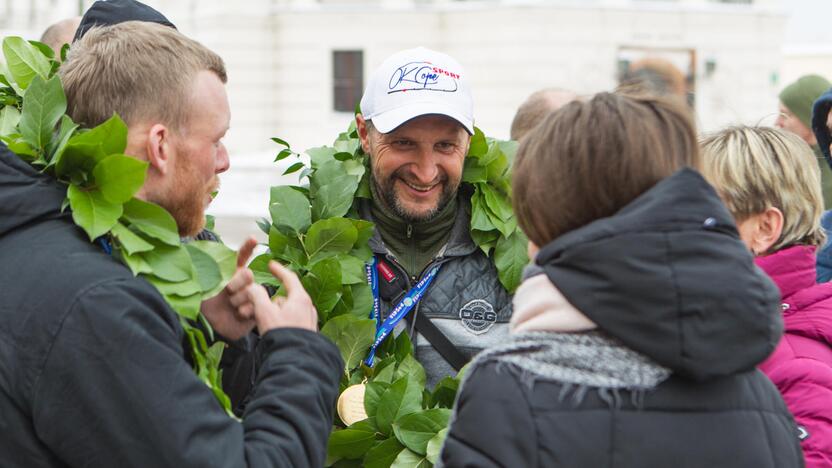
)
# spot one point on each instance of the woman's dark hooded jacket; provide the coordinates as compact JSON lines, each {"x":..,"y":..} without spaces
{"x":668,"y":277}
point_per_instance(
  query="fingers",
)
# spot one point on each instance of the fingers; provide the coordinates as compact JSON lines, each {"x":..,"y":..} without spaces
{"x":244,"y":254}
{"x":246,"y":311}
{"x":289,"y":280}
{"x":241,"y":279}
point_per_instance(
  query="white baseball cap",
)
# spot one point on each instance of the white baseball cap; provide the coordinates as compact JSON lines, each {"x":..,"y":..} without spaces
{"x":417,"y":82}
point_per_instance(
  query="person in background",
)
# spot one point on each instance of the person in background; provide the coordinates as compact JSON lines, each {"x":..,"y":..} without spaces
{"x":769,"y":181}
{"x":821,"y":127}
{"x":637,"y":345}
{"x":60,"y":33}
{"x":657,"y":77}
{"x":795,"y":116}
{"x":536,"y":107}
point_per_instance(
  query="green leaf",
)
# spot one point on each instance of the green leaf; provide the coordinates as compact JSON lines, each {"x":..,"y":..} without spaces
{"x":44,"y":49}
{"x":510,"y":258}
{"x":280,"y":142}
{"x":404,"y":348}
{"x":290,"y":210}
{"x":19,"y":147}
{"x":187,"y":307}
{"x":323,"y":283}
{"x":92,"y":212}
{"x":409,"y":459}
{"x":136,"y":264}
{"x":294,"y":168}
{"x":509,"y":149}
{"x":362,"y":300}
{"x":208,"y":273}
{"x":152,"y":220}
{"x":77,"y":158}
{"x":410,"y":367}
{"x":182,"y":289}
{"x":473,"y":172}
{"x":386,"y":372}
{"x":43,"y":107}
{"x":330,"y":237}
{"x":353,"y":336}
{"x":283,"y":154}
{"x":497,"y":203}
{"x":24,"y":61}
{"x":417,"y":429}
{"x":111,"y":135}
{"x":129,"y":241}
{"x":320,"y":155}
{"x":351,"y":443}
{"x":170,"y":263}
{"x":119,"y":177}
{"x":494,"y":152}
{"x":479,"y":145}
{"x":332,"y":190}
{"x":225,"y":259}
{"x":403,"y":397}
{"x":375,"y":389}
{"x":383,"y":454}
{"x":444,"y":393}
{"x":365,"y":230}
{"x":260,"y":267}
{"x":352,"y":270}
{"x":67,"y":129}
{"x":435,"y":446}
{"x":286,"y":248}
{"x":9,"y":117}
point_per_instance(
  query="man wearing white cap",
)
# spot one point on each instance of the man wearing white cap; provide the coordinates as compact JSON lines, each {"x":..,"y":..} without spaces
{"x":416,"y":122}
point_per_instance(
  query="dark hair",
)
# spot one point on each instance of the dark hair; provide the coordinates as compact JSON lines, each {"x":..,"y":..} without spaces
{"x":591,"y":158}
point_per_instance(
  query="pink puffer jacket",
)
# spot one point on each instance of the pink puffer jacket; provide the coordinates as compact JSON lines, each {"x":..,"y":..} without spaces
{"x":801,"y":365}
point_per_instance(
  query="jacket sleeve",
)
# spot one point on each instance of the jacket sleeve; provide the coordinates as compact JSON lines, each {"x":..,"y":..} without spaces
{"x":115,"y":390}
{"x":493,"y":425}
{"x":806,"y":386}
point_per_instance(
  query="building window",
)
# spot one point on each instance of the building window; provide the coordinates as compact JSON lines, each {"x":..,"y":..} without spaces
{"x":347,"y":79}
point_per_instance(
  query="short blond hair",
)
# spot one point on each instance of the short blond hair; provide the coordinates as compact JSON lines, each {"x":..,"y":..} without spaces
{"x":755,"y":168}
{"x":141,"y":71}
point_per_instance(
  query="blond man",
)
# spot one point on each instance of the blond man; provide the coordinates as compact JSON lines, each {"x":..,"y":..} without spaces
{"x":769,"y":181}
{"x":92,"y":366}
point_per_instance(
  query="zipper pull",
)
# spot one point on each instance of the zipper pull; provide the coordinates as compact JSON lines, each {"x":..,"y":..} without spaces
{"x":409,"y":231}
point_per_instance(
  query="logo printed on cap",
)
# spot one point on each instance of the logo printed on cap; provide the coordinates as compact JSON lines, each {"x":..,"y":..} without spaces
{"x":422,"y":76}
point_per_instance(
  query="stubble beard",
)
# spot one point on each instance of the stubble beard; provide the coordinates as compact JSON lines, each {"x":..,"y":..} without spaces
{"x":386,"y":189}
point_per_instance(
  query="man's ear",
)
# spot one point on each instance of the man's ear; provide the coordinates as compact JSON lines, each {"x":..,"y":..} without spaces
{"x":363,"y":132}
{"x":159,"y":148}
{"x":769,"y":227}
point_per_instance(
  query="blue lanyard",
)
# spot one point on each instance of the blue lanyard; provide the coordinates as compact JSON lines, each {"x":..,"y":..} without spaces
{"x":105,"y":244}
{"x":411,"y":298}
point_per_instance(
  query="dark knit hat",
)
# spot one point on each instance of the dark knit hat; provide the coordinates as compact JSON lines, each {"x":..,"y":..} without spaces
{"x":819,"y":114}
{"x":799,"y":96}
{"x":110,"y":12}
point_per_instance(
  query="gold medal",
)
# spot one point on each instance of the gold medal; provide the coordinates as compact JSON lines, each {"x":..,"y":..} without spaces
{"x":351,"y":405}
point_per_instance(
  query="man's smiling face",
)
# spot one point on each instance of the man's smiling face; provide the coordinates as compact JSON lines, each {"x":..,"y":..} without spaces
{"x":417,"y":168}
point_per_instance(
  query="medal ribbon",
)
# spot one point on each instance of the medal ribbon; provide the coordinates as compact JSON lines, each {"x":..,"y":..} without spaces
{"x":411,"y":298}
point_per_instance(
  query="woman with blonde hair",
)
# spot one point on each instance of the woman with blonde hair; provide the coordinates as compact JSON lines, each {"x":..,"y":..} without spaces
{"x":637,"y":341}
{"x":769,"y":180}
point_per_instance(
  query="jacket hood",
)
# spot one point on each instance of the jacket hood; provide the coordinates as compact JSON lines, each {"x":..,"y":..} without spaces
{"x":25,"y":194}
{"x":806,"y":305}
{"x":669,"y":277}
{"x":819,"y":113}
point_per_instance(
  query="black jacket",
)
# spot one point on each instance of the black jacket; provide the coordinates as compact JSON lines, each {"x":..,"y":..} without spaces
{"x":668,"y":277}
{"x":92,"y":368}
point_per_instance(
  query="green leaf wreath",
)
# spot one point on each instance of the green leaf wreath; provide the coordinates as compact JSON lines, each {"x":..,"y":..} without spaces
{"x":315,"y":230}
{"x":101,"y":183}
